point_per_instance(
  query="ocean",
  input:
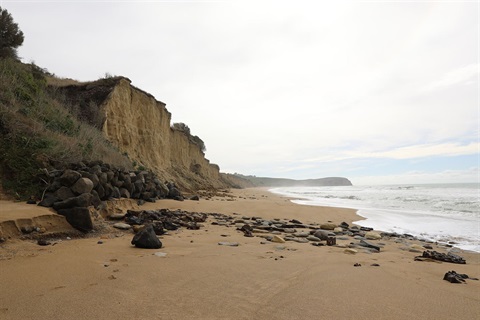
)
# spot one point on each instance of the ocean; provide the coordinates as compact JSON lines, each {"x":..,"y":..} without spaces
{"x":446,"y":213}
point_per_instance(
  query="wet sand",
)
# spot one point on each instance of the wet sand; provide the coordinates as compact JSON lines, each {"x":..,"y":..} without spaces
{"x":199,"y":279}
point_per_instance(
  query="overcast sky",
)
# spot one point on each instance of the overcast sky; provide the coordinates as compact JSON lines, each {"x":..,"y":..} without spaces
{"x":376,"y":91}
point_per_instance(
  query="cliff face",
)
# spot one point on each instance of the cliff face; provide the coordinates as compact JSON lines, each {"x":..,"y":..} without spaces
{"x":139,"y":125}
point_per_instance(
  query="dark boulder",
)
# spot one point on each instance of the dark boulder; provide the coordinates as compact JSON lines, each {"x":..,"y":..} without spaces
{"x":100,"y":191}
{"x":69,"y":177}
{"x":368,"y":244}
{"x":326,"y":236}
{"x":83,"y":185}
{"x":96,"y":201}
{"x":78,"y":217}
{"x":147,"y":239}
{"x":453,"y":277}
{"x":449,"y":257}
{"x":83,"y":200}
{"x":48,"y":200}
{"x":173,"y":192}
{"x":158,"y":228}
{"x":64,"y":193}
{"x":124,"y":193}
{"x":344,"y":225}
{"x":116,"y":193}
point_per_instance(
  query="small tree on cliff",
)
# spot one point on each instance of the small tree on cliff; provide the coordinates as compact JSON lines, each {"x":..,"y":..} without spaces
{"x":11,"y":37}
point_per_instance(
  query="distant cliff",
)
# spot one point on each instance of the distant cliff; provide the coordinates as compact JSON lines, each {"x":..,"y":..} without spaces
{"x":253,"y":181}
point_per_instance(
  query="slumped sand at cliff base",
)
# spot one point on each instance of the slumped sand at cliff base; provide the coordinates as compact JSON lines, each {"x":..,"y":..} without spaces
{"x":193,"y":277}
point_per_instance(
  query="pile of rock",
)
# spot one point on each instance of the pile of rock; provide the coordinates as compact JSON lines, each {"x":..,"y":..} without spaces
{"x":71,"y":191}
{"x":148,"y":224}
{"x":280,"y":231}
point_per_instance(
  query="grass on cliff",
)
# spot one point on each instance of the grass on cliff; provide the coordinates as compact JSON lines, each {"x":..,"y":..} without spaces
{"x":39,"y":128}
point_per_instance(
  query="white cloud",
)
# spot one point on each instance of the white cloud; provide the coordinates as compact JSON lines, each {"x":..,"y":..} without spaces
{"x":463,"y":75}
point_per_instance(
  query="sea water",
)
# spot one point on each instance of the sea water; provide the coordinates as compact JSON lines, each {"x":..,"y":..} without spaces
{"x":446,"y":213}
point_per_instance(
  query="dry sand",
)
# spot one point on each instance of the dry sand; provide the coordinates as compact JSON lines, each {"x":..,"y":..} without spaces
{"x":199,"y":279}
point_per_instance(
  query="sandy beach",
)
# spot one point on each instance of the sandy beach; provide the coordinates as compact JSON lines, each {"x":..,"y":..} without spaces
{"x":199,"y":279}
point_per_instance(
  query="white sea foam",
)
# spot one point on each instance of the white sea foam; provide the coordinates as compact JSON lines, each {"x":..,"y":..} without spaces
{"x":440,"y":212}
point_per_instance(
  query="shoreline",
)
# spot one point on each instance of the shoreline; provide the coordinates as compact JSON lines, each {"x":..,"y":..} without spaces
{"x":199,"y":279}
{"x":447,"y":227}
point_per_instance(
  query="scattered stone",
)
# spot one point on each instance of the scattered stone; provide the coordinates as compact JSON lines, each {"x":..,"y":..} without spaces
{"x":350,"y":251}
{"x":357,"y":265}
{"x":328,"y":226}
{"x":338,"y":230}
{"x":300,"y":240}
{"x":449,"y":257}
{"x":99,"y":242}
{"x":367,"y":244}
{"x":116,"y":216}
{"x":42,"y":242}
{"x":247,"y":230}
{"x":160,"y":254}
{"x":40,"y":229}
{"x":278,"y":239}
{"x":27,"y":229}
{"x":326,"y":236}
{"x":344,"y":225}
{"x":313,"y":238}
{"x":372,"y":235}
{"x":317,"y":244}
{"x":147,"y":239}
{"x":301,"y":234}
{"x":229,"y":244}
{"x":366,"y":229}
{"x":375,"y":265}
{"x":453,"y":277}
{"x":122,"y":226}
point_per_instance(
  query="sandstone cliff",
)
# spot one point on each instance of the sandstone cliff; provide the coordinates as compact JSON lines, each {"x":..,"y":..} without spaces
{"x":140,"y":126}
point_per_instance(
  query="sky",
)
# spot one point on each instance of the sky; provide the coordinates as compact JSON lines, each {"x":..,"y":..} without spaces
{"x":380,"y":92}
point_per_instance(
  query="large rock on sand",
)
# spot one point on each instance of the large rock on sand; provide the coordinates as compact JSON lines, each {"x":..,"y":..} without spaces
{"x":147,"y":239}
{"x":78,"y":217}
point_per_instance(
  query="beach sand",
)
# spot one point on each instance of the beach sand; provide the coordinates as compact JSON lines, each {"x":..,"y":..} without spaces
{"x":199,"y":279}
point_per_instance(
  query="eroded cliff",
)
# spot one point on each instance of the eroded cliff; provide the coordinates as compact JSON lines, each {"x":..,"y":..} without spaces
{"x":139,"y":125}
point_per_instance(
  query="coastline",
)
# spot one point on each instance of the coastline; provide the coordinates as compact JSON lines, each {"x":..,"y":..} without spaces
{"x":199,"y":279}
